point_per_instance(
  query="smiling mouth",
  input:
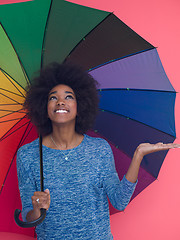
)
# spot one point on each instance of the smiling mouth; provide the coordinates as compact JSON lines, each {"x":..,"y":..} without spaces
{"x":61,"y":111}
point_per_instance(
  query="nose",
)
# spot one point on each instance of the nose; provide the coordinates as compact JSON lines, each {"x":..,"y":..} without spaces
{"x":60,"y":102}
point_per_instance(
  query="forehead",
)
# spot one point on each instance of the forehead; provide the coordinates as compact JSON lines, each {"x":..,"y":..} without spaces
{"x":61,"y":88}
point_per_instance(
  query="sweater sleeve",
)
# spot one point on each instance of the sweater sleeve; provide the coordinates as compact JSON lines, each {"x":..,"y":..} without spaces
{"x":118,"y":192}
{"x":25,"y":182}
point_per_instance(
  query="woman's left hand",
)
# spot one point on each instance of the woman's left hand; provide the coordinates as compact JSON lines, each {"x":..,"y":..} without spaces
{"x":146,"y":148}
{"x":142,"y":150}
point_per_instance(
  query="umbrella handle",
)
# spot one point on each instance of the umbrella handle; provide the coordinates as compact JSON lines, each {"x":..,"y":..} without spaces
{"x":43,"y":211}
{"x":29,"y":224}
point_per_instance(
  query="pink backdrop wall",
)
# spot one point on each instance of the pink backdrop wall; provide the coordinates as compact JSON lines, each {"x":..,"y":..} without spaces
{"x":154,"y":214}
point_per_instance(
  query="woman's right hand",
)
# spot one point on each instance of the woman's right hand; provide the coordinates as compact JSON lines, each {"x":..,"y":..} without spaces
{"x":39,"y":200}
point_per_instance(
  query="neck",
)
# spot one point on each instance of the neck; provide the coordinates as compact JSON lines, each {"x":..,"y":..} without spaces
{"x":65,"y":138}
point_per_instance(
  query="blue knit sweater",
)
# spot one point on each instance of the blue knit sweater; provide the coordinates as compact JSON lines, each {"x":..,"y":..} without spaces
{"x":78,"y":188}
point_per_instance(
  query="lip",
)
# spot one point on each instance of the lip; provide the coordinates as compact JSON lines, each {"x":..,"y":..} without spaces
{"x":61,"y":110}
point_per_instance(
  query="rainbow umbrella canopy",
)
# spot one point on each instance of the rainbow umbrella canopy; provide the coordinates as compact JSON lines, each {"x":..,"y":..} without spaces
{"x":136,"y":97}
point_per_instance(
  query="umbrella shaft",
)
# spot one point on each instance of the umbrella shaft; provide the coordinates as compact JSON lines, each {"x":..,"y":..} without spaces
{"x":41,"y":163}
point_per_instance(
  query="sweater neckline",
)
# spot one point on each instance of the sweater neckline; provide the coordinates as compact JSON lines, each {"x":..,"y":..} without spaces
{"x":66,"y":150}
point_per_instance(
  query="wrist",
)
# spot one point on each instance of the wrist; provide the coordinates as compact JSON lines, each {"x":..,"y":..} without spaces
{"x":36,"y":213}
{"x":138,"y":155}
{"x":32,"y":215}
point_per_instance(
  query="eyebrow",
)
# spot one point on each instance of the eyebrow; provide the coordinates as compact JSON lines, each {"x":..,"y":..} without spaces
{"x":68,"y":92}
{"x":52,"y":93}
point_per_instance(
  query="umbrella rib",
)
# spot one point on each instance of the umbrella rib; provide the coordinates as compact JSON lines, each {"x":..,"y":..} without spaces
{"x":118,"y":114}
{"x":44,"y":37}
{"x":10,"y":120}
{"x":6,"y":134}
{"x":23,"y":70}
{"x":20,"y":142}
{"x":113,"y":60}
{"x":117,"y":59}
{"x":110,"y":13}
{"x":7,"y":76}
{"x":23,"y":139}
{"x":133,"y":89}
{"x":112,"y":143}
{"x":12,"y":92}
{"x":8,"y":110}
{"x":11,"y":99}
{"x":7,"y":104}
{"x":11,"y":112}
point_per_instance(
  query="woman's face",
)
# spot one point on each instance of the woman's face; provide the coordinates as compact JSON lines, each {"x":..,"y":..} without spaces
{"x":62,"y":105}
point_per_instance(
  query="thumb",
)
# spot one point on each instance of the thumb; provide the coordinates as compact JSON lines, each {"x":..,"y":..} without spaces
{"x":47,"y":191}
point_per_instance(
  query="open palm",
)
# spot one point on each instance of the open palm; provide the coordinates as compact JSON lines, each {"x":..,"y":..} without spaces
{"x":147,"y":148}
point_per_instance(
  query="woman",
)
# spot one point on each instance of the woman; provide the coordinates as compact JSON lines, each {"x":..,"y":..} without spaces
{"x":79,"y":171}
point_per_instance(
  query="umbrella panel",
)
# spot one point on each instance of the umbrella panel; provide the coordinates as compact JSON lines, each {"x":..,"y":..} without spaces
{"x":10,"y":86}
{"x":79,"y":21}
{"x":24,"y":24}
{"x":10,"y":142}
{"x":127,"y":134}
{"x":9,"y":61}
{"x":8,"y":123}
{"x":140,"y":71}
{"x":11,"y":98}
{"x":148,"y":107}
{"x":10,"y":193}
{"x":110,"y":40}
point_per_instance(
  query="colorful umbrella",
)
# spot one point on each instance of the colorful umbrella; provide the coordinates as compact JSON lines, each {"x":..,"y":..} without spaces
{"x":137,"y":99}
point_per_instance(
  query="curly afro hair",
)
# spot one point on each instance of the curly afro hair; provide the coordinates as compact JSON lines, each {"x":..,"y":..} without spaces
{"x":83,"y":85}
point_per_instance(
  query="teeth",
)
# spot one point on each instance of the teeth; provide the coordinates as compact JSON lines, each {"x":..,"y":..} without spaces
{"x":61,"y":111}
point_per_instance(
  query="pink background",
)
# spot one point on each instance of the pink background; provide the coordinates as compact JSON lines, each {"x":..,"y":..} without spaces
{"x":153,"y":214}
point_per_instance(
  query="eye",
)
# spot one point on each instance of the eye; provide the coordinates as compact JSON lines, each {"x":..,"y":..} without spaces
{"x":52,"y":98}
{"x":69,"y":97}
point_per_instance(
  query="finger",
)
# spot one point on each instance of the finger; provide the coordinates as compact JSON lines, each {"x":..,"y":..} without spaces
{"x":176,"y":145}
{"x":40,"y":204}
{"x":168,"y":145}
{"x":37,"y":193}
{"x":35,"y":202}
{"x":41,"y":200}
{"x":48,"y":196}
{"x":47,"y":191}
{"x":41,"y":195}
{"x":172,"y":145}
